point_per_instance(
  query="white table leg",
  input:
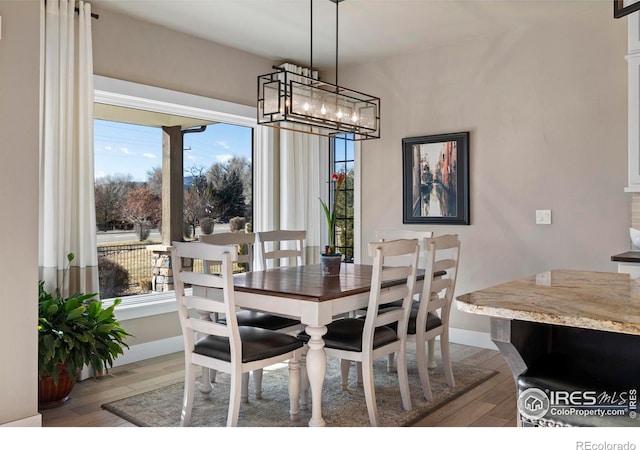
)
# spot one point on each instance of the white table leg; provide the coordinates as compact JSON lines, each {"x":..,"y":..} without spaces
{"x":304,"y":380}
{"x":316,"y":369}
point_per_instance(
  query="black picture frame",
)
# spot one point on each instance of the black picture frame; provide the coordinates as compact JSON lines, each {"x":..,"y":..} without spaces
{"x":619,"y":10}
{"x":435,"y":179}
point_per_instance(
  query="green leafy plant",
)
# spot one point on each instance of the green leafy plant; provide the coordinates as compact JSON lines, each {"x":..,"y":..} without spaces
{"x":78,"y":330}
{"x":330,"y":214}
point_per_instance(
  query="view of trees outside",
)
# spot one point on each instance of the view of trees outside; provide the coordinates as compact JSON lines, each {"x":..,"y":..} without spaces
{"x":128,"y":194}
{"x":220,"y":193}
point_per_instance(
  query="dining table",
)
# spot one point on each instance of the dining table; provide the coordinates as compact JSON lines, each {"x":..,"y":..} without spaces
{"x":303,"y":292}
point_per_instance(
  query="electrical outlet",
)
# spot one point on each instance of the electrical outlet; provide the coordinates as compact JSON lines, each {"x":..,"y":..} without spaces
{"x":543,"y":217}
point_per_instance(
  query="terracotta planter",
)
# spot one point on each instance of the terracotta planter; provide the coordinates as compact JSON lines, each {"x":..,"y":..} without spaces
{"x":51,"y":395}
{"x":330,"y":265}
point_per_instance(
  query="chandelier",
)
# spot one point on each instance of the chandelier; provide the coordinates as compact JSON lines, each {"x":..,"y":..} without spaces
{"x":302,"y":103}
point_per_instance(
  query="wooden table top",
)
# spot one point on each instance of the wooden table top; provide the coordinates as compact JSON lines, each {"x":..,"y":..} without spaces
{"x":594,"y":300}
{"x":307,"y":282}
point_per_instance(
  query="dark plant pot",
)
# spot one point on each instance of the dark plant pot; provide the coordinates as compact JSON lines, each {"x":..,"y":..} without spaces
{"x":51,"y":395}
{"x":330,"y":265}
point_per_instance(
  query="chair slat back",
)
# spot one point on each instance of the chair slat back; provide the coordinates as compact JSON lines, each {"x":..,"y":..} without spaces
{"x":380,"y":295}
{"x":284,"y":245}
{"x":245,"y":241}
{"x":194,"y":310}
{"x":392,"y":234}
{"x":443,"y":253}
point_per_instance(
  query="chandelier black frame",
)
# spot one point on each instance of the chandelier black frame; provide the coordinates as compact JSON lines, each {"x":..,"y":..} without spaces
{"x":296,"y":102}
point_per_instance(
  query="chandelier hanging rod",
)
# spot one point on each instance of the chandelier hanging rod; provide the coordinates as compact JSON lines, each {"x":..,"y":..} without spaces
{"x":337,"y":2}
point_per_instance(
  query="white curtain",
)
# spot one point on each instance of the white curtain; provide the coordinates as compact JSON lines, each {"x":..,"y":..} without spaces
{"x":67,"y":212}
{"x":303,"y":180}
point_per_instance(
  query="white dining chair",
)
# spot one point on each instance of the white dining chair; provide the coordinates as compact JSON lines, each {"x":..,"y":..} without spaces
{"x":399,"y":233}
{"x":381,"y":331}
{"x":273,"y":322}
{"x":430,"y":318}
{"x":224,"y":347}
{"x":244,"y":241}
{"x":284,"y":246}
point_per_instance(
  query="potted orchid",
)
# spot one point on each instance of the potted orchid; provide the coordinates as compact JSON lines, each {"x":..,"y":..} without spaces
{"x":330,"y":260}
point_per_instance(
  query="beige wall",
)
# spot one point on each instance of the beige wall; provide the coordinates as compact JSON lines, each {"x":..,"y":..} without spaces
{"x":140,"y":52}
{"x":19,"y":116}
{"x":153,"y":328}
{"x":546,"y":108}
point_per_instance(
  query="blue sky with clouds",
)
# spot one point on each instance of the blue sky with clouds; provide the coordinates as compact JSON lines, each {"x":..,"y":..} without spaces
{"x":126,"y":149}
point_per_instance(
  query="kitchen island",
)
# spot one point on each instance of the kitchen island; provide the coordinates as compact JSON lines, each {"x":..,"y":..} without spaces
{"x":572,"y":338}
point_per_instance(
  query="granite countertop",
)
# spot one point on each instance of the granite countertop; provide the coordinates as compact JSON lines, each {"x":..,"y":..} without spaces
{"x":595,"y":300}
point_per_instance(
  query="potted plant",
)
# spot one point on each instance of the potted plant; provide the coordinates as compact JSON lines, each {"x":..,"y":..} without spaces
{"x":73,"y":332}
{"x":330,"y":259}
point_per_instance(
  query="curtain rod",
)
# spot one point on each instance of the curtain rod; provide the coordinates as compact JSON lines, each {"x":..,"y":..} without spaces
{"x":95,"y":16}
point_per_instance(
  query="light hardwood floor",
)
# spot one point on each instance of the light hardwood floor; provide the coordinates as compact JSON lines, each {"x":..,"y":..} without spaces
{"x":491,"y":404}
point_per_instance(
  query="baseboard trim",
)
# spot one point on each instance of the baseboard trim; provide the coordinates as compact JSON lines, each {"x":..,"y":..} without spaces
{"x":148,"y":350}
{"x":472,"y":338}
{"x":33,"y":421}
{"x":141,"y":352}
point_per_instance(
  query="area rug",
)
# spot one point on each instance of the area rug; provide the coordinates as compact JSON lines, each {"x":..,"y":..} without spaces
{"x":162,"y":407}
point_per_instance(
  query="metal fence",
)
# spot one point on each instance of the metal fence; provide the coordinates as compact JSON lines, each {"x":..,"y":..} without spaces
{"x":135,"y":259}
{"x":127,"y":269}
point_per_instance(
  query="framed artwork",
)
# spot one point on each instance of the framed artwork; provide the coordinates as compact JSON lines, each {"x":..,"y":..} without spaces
{"x":622,"y":8}
{"x":435,"y":179}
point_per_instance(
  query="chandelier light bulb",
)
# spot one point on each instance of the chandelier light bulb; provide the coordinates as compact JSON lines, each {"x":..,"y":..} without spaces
{"x":323,"y":110}
{"x":285,"y":107}
{"x":354,"y":117}
{"x":306,"y":106}
{"x":339,"y":114}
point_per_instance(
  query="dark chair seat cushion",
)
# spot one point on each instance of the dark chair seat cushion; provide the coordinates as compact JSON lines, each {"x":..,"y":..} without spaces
{"x":346,"y":334}
{"x":257,"y":344}
{"x":433,"y":321}
{"x":397,"y":304}
{"x":263,"y":320}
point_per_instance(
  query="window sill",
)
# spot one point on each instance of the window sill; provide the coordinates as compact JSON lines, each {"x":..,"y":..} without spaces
{"x":144,"y":305}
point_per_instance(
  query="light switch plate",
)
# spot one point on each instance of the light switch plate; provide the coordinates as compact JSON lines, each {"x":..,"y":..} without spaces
{"x":543,"y":217}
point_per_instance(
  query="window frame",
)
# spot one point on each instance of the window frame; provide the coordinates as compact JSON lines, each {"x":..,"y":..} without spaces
{"x":127,"y":94}
{"x":356,"y":189}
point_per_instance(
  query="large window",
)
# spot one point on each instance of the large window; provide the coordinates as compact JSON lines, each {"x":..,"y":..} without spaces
{"x":342,"y":159}
{"x":218,"y":192}
{"x":218,"y":179}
